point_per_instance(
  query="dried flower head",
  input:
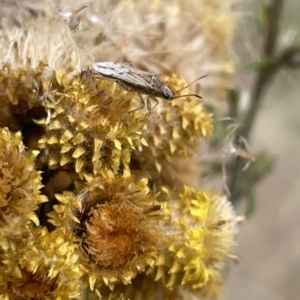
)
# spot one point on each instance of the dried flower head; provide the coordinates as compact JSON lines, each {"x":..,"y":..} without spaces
{"x":20,"y":185}
{"x":201,"y":229}
{"x":29,"y":43}
{"x":43,"y":266}
{"x":89,"y":126}
{"x":114,"y":221}
{"x":21,"y":89}
{"x":198,"y":234}
{"x":173,"y":131}
{"x":182,"y":37}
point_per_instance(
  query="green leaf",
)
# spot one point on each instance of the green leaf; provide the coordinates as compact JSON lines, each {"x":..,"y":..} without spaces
{"x":262,"y":18}
{"x":258,"y":64}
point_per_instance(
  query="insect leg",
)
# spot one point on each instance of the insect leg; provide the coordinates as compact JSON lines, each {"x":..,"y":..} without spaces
{"x":149,"y":106}
{"x":142,"y":103}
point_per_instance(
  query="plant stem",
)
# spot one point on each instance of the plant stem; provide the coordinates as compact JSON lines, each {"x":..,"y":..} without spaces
{"x":265,"y":75}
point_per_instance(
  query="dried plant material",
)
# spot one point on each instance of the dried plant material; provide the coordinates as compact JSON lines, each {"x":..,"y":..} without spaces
{"x":163,"y":37}
{"x":20,"y":185}
{"x":21,"y":91}
{"x":32,"y":43}
{"x":172,"y":131}
{"x":198,"y":234}
{"x":90,"y":127}
{"x":43,"y":266}
{"x":114,"y":222}
{"x":122,"y":223}
{"x":201,"y":229}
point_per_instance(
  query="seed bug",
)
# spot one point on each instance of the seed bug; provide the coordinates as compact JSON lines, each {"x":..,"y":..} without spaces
{"x":134,"y":80}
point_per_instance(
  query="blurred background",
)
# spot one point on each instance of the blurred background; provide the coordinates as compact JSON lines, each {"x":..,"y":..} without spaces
{"x":269,"y":241}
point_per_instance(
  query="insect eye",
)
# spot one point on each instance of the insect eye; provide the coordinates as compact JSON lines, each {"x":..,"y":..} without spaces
{"x":167,"y":93}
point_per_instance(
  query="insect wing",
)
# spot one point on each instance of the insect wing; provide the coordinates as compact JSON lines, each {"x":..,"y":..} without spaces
{"x":128,"y":75}
{"x":110,"y":69}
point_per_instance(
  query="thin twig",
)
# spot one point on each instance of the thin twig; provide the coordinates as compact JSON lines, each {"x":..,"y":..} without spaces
{"x":265,"y":75}
{"x":268,"y":72}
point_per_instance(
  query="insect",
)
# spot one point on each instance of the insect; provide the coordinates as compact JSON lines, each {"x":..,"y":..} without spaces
{"x":144,"y":83}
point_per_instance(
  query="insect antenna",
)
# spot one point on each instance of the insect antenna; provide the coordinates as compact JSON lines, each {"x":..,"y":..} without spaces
{"x":195,"y":95}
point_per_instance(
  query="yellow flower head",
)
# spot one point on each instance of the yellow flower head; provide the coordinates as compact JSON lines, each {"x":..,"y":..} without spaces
{"x":174,"y":130}
{"x":89,"y":126}
{"x":20,"y":184}
{"x":43,"y":266}
{"x":197,"y":235}
{"x":200,"y":232}
{"x":114,"y":223}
